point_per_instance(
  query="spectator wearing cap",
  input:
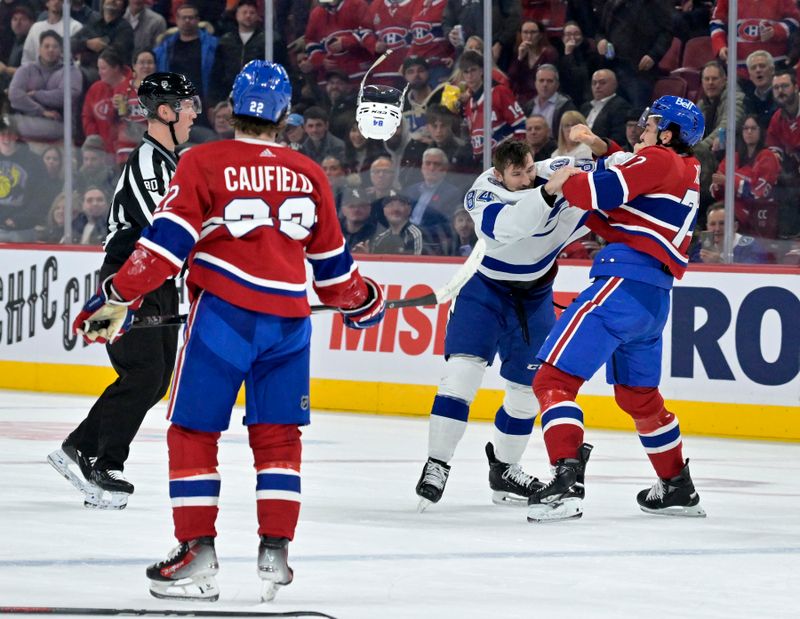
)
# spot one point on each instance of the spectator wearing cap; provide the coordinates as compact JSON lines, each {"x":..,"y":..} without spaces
{"x":319,"y":142}
{"x":36,"y":92}
{"x":96,"y":168}
{"x":236,"y":48}
{"x":549,"y":102}
{"x":400,"y":236}
{"x":22,"y":204}
{"x":294,"y":134}
{"x":339,"y":100}
{"x":358,"y":225}
{"x":416,"y":73}
{"x":146,"y":23}
{"x":53,"y":21}
{"x":109,"y":30}
{"x":12,"y":41}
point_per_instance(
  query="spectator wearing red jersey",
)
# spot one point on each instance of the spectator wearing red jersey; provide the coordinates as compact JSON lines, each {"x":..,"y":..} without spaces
{"x":756,"y":171}
{"x":98,"y":115}
{"x":132,"y":116}
{"x":428,"y":40}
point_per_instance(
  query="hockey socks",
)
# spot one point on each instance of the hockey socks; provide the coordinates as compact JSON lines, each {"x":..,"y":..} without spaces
{"x":194,"y":482}
{"x":562,"y":418}
{"x":447,"y":426}
{"x":658,"y":429}
{"x":276,"y":453}
{"x":513,"y":422}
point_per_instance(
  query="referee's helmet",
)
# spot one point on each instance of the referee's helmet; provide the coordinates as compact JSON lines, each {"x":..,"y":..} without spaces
{"x":172,"y":89}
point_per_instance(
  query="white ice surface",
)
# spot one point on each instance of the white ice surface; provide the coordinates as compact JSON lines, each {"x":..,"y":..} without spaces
{"x":362,"y":551}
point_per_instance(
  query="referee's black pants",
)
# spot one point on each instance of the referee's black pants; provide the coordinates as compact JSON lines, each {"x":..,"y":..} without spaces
{"x":143,"y":360}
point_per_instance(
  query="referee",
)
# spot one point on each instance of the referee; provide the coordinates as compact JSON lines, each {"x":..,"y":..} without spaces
{"x":143,"y":360}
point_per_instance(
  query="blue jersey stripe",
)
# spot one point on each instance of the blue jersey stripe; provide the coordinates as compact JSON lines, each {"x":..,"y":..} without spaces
{"x":562,"y":412}
{"x":671,"y":212}
{"x":661,"y":439}
{"x":489,"y":218}
{"x":330,"y":268}
{"x":172,"y":237}
{"x":520,"y":269}
{"x":247,"y":284}
{"x":511,"y":425}
{"x":452,"y":408}
{"x":608,"y":190}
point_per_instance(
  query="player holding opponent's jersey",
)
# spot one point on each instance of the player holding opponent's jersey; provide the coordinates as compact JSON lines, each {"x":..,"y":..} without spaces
{"x":246,"y":213}
{"x":505,"y":308}
{"x":647,"y":209}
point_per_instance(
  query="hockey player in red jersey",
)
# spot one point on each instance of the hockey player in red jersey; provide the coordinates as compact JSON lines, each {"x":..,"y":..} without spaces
{"x":645,"y":206}
{"x":335,"y":39}
{"x":246,"y":213}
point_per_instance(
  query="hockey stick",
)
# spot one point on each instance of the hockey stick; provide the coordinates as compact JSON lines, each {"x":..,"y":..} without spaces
{"x":142,"y":612}
{"x":443,"y":295}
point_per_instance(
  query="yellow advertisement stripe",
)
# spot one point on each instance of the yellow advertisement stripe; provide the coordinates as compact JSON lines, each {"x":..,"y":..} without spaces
{"x":753,"y":421}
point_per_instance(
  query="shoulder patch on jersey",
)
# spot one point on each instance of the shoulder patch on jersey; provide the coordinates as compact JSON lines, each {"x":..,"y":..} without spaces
{"x":151,"y":184}
{"x":469,"y":200}
{"x":556,"y":164}
{"x":587,"y":165}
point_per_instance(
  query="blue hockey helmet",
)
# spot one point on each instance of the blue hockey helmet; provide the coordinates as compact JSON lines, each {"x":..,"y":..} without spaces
{"x":262,"y":90}
{"x":682,"y":112}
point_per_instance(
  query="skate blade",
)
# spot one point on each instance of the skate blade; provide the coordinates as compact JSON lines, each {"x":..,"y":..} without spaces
{"x":98,"y":500}
{"x":566,"y":509}
{"x":61,"y":463}
{"x":682,"y":512}
{"x":198,"y":589}
{"x":508,"y":499}
{"x":269,"y":589}
{"x":423,"y":505}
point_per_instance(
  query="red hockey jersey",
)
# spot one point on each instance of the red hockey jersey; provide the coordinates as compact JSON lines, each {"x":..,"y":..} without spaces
{"x":427,"y":35}
{"x":508,"y":119}
{"x":344,"y":23}
{"x":389,"y":22}
{"x":783,"y":134}
{"x":648,"y":203}
{"x":247,"y":214}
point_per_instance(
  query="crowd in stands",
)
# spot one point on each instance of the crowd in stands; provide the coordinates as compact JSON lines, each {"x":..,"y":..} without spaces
{"x":555,"y":64}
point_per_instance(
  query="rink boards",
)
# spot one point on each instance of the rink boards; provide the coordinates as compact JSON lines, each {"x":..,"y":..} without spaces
{"x":731,"y":362}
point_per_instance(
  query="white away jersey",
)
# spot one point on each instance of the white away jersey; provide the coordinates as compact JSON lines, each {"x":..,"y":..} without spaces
{"x":523,"y":234}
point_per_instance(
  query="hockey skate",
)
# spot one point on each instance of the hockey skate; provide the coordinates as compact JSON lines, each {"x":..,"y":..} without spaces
{"x":509,"y":483}
{"x":672,"y":497}
{"x":112,"y":490}
{"x":76,"y":468}
{"x":562,"y":497}
{"x":187,"y":573}
{"x":273,"y":568}
{"x":432,"y":482}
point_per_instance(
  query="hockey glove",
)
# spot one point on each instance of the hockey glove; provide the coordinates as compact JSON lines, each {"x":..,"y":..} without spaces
{"x":370,"y":313}
{"x":106,"y":316}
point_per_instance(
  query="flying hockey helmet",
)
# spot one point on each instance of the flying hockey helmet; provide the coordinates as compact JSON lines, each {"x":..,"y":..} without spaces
{"x":682,"y":112}
{"x":379,"y":108}
{"x":262,"y":90}
{"x":170,"y":89}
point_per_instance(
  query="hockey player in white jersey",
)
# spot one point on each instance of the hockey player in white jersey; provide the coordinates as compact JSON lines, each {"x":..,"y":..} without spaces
{"x":505,"y":309}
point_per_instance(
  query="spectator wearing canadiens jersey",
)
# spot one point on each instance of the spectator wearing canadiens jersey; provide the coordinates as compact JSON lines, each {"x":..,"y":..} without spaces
{"x":334,"y":39}
{"x":428,"y":40}
{"x":645,"y":206}
{"x":387,"y":26}
{"x":508,"y":119}
{"x":246,"y":214}
{"x":760,"y":24}
{"x":783,"y":137}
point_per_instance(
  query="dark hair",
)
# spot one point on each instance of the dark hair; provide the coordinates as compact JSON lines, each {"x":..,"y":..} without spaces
{"x":470,"y":58}
{"x":188,"y":5}
{"x":716,"y":64}
{"x":676,"y":143}
{"x":111,"y":57}
{"x":511,"y":153}
{"x":52,"y":34}
{"x":317,"y":113}
{"x":252,"y":125}
{"x":412,"y":61}
{"x":439,"y":112}
{"x":138,"y":53}
{"x":242,"y":3}
{"x":741,"y":147}
{"x":788,"y":72}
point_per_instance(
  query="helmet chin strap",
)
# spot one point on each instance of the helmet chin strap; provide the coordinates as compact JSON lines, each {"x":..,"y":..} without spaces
{"x":171,"y":125}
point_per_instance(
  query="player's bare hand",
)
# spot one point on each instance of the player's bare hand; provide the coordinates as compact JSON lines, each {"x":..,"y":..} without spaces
{"x":767,"y":32}
{"x":556,"y":182}
{"x":582,"y":134}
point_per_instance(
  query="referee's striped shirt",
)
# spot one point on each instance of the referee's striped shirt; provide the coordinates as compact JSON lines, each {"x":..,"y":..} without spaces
{"x":140,"y":188}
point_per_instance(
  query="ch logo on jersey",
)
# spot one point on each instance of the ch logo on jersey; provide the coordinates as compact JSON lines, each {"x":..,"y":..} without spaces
{"x":422,"y":34}
{"x":749,"y":30}
{"x":394,"y":36}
